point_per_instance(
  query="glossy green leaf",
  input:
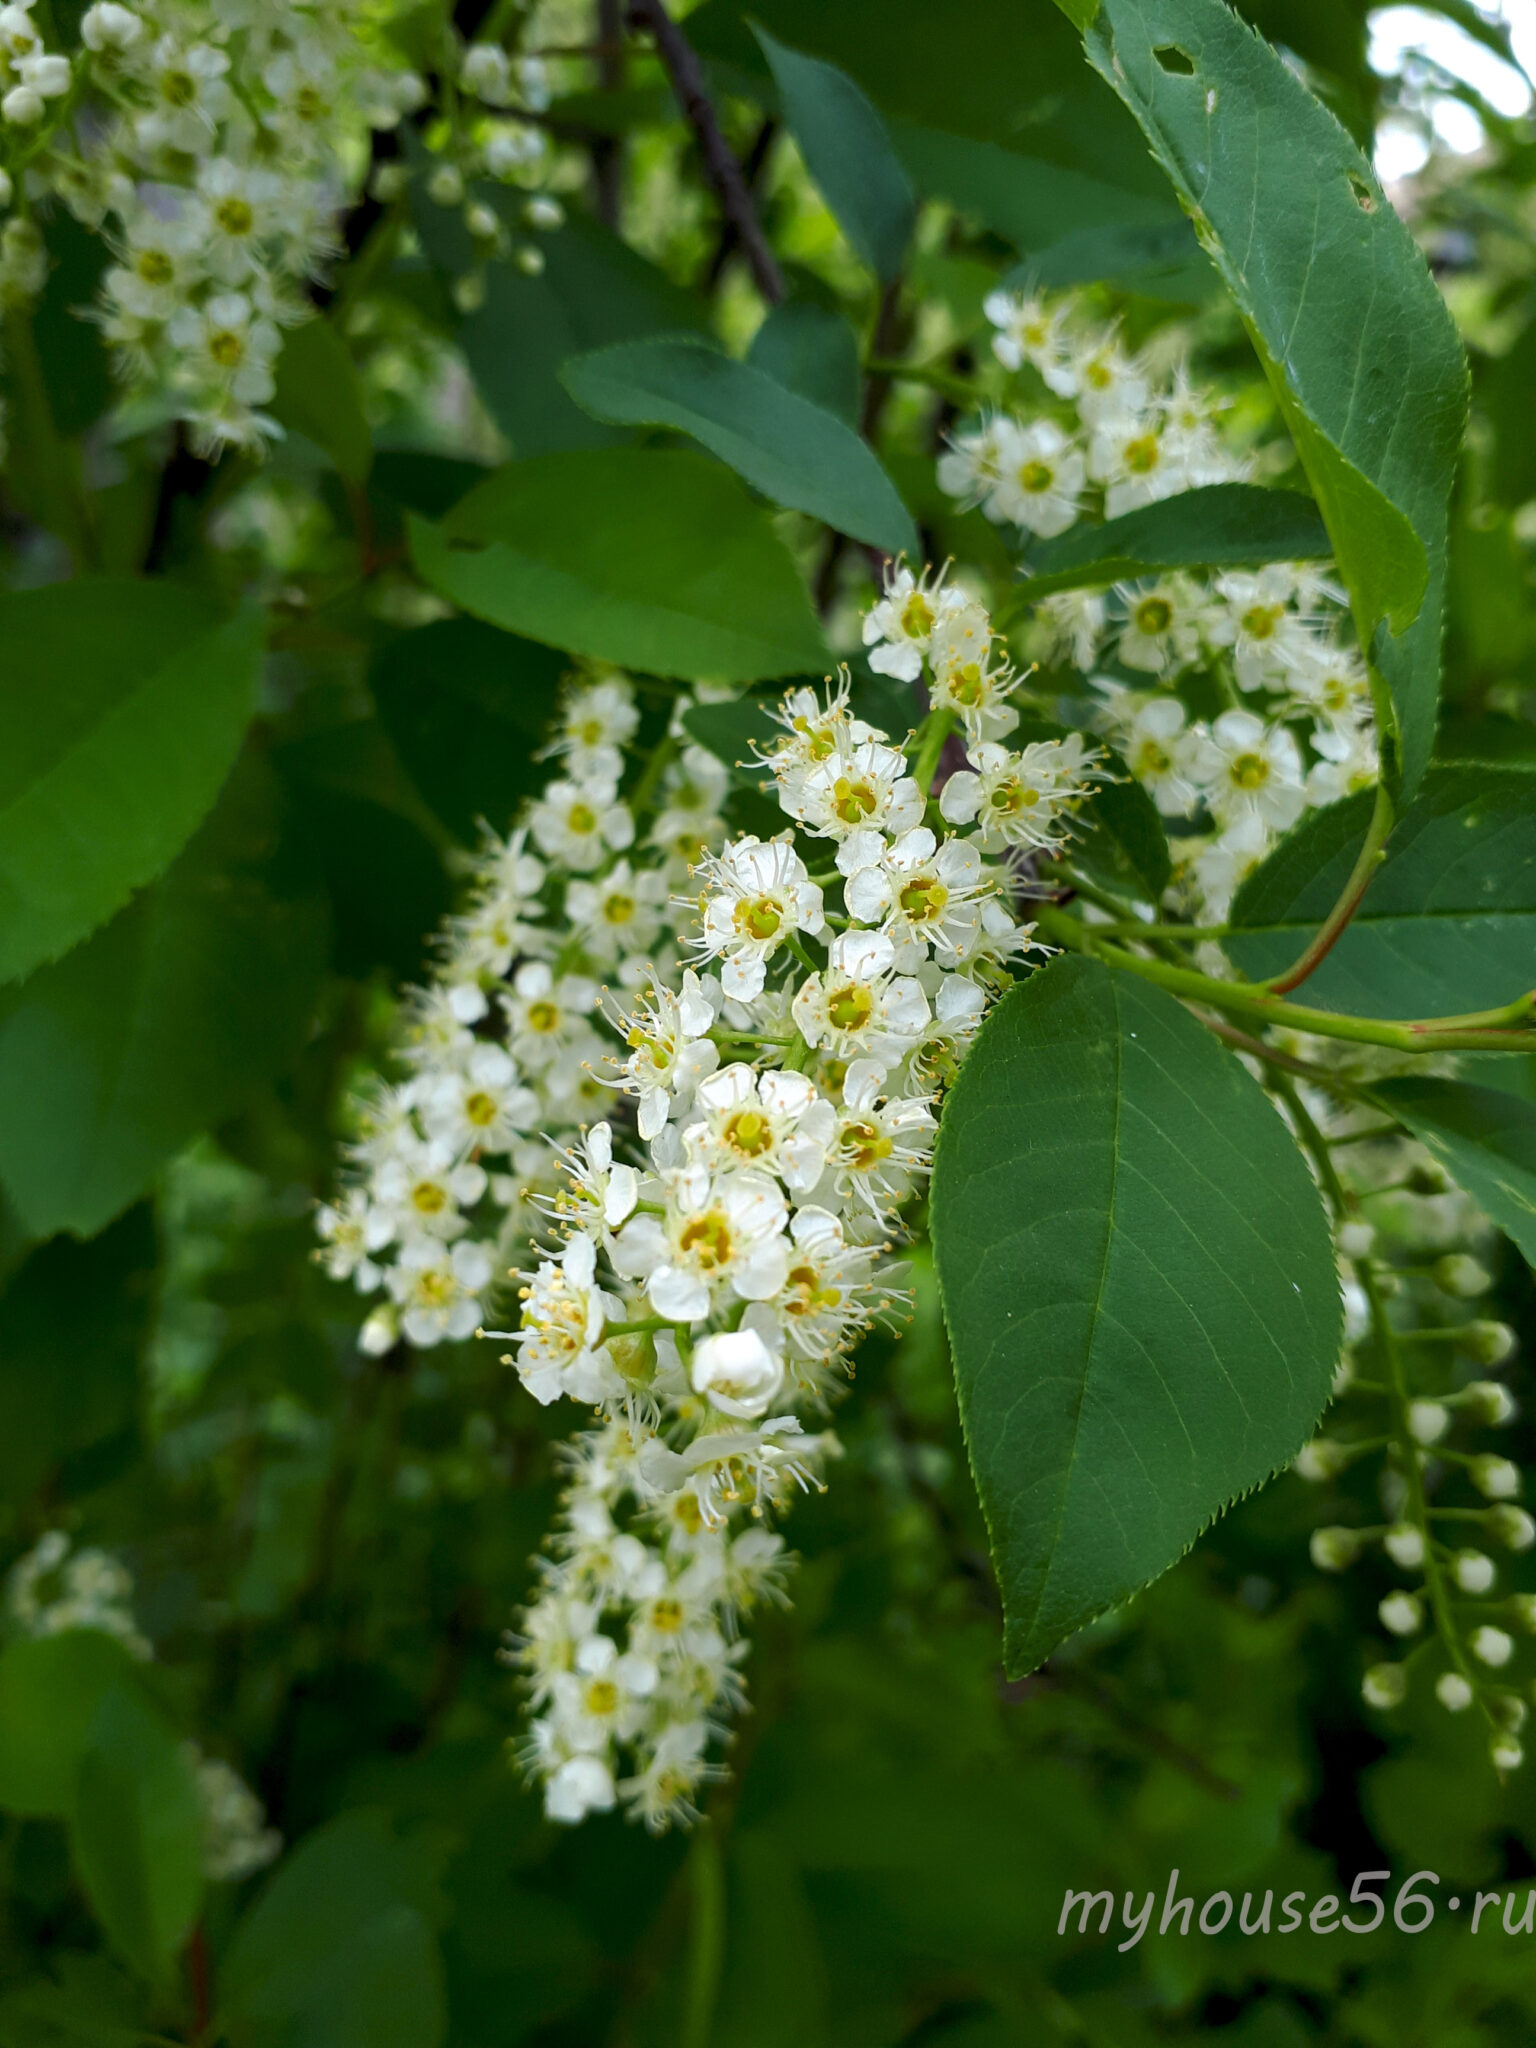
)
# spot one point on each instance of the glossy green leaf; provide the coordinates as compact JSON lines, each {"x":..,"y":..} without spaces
{"x":122,"y":705}
{"x":813,"y":351}
{"x":74,"y":1320}
{"x":653,"y":558}
{"x":468,"y":709}
{"x":1219,"y":526}
{"x":1448,"y":924}
{"x":163,"y":1023}
{"x":794,"y":452}
{"x":1354,"y":337}
{"x":339,"y":1950}
{"x":136,"y":1832}
{"x":848,"y":152}
{"x":318,"y":396}
{"x":1139,"y":1283}
{"x":50,"y":1689}
{"x":1485,"y":1138}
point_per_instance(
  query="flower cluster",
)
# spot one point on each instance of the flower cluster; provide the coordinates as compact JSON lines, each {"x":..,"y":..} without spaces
{"x":1108,"y":431}
{"x":771,"y":1060}
{"x":53,"y":1590}
{"x":1413,"y":1392}
{"x":215,"y":147}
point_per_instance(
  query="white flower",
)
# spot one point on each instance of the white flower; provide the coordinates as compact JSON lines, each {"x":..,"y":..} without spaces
{"x":1150,"y":732}
{"x":487,"y":73}
{"x":22,"y":106}
{"x":1248,"y":769}
{"x":45,"y":74}
{"x":897,"y":629}
{"x":352,"y":1230}
{"x":1109,"y":384}
{"x":597,"y":723}
{"x":1030,"y":331}
{"x":482,"y":1108}
{"x":822,"y":1304}
{"x":859,"y":1006}
{"x":603,"y":1186}
{"x":971,"y":674}
{"x":669,"y":1052}
{"x":920,"y":893}
{"x":421,"y":1193}
{"x":621,"y":914}
{"x":1225,"y":862}
{"x":881,"y":1143}
{"x":1268,"y":640}
{"x":1071,"y":624}
{"x":1350,"y":762}
{"x":754,"y":895}
{"x":776,"y":1121}
{"x":226,"y":345}
{"x":544,"y":1014}
{"x":717,"y":1229}
{"x":564,"y":1311}
{"x":1041,"y":480}
{"x":737,"y":1373}
{"x":1136,"y":463}
{"x":437,"y":1290}
{"x":1162,"y":625}
{"x":863,"y":782}
{"x":972,"y":465}
{"x":1018,"y":800}
{"x":581,"y":823}
{"x":579,"y":1786}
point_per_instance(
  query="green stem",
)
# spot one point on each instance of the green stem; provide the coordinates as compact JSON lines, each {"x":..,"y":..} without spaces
{"x":928,"y":745}
{"x":1328,"y":934}
{"x":1506,"y":1030}
{"x":921,"y":373}
{"x":797,"y":946}
{"x":706,"y":1938}
{"x":661,"y":756}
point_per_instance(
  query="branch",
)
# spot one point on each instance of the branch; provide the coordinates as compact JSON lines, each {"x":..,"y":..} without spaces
{"x":682,"y":67}
{"x":1370,"y":858}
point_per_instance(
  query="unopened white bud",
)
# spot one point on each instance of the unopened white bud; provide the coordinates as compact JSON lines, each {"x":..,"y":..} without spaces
{"x":1384,"y":1686}
{"x":388,"y":182}
{"x":379,"y":1334}
{"x":582,"y":1785}
{"x":481,"y":221}
{"x":1472,"y":1571}
{"x":1356,"y":1239}
{"x":1460,"y":1275}
{"x":1490,"y":1402}
{"x":1320,"y":1459}
{"x":530,"y":261}
{"x":1402,"y":1613}
{"x":543,"y":212}
{"x":1428,"y":1421}
{"x":736,"y":1372}
{"x":106,"y":27}
{"x":1495,"y":1478}
{"x":1491,"y":1646}
{"x":1523,"y":1607}
{"x":469,"y":291}
{"x":1404,"y":1544}
{"x":1513,"y":1527}
{"x":1509,"y":1710}
{"x":1505,"y":1753}
{"x":22,"y":106}
{"x":1453,"y":1692}
{"x":1335,"y":1549}
{"x":1488,"y":1341}
{"x":446,"y":185}
{"x":46,"y":74}
{"x":487,"y":73}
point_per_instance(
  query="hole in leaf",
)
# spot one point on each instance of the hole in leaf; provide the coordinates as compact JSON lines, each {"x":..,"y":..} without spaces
{"x":1172,"y":58}
{"x":1365,"y":198}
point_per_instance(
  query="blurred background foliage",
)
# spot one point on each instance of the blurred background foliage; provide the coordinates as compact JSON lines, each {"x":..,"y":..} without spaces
{"x":325,"y":1548}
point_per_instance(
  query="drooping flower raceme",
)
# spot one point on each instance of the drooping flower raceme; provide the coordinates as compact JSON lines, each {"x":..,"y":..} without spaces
{"x":702,"y":1225}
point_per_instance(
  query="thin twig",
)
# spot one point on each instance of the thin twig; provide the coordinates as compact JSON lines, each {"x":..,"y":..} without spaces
{"x":752,"y":172}
{"x":724,"y":173}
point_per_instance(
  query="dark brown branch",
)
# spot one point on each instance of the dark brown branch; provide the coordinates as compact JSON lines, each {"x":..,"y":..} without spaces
{"x":607,"y":151}
{"x":752,"y":171}
{"x":721,"y":167}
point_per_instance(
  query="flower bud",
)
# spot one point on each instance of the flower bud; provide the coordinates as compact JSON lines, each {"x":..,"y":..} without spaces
{"x":445,"y":185}
{"x":108,"y":28}
{"x":1472,"y":1571}
{"x":1460,"y":1275}
{"x":1495,"y":1478}
{"x":544,"y":213}
{"x":1513,"y":1527}
{"x":1453,"y":1692}
{"x":737,"y":1373}
{"x":1404,"y":1544}
{"x":530,"y":261}
{"x":1505,"y":1753}
{"x":1335,"y":1549}
{"x":469,"y":291}
{"x":1356,"y":1239}
{"x":1523,"y":1608}
{"x":1320,"y":1459}
{"x":1490,"y":1403}
{"x":1509,"y":1710}
{"x":22,"y":106}
{"x":481,"y":221}
{"x":1402,"y":1613}
{"x":1428,"y":1421}
{"x":1487,"y":1341}
{"x":379,"y":1334}
{"x":1429,"y":1177}
{"x":388,"y":182}
{"x":1384,"y":1685}
{"x":1491,"y":1646}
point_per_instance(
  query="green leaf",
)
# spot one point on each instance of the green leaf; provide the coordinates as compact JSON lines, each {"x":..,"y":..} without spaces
{"x":1219,"y":526}
{"x":848,"y":153}
{"x":122,"y":705}
{"x":73,"y":1324}
{"x":656,"y":559}
{"x":796,"y":453}
{"x":162,"y":1024}
{"x":1448,"y":924}
{"x":811,"y":350}
{"x":50,"y":1689}
{"x":339,"y":1950}
{"x":87,"y":2003}
{"x":1485,"y":1139}
{"x":1140,"y":1288}
{"x":1117,"y":832}
{"x":1352,"y":333}
{"x":136,"y":1832}
{"x":318,"y":396}
{"x":468,"y":708}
